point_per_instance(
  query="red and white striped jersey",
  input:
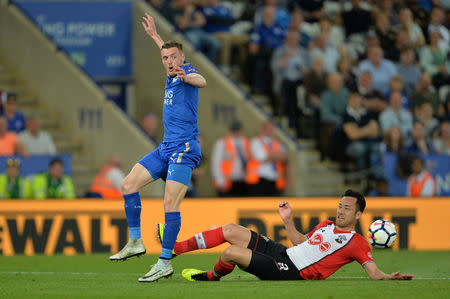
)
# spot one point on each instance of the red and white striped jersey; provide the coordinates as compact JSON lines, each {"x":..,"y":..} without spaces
{"x":328,"y":249}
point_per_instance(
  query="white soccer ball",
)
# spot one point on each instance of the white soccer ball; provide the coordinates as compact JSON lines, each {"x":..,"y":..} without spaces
{"x":382,"y":233}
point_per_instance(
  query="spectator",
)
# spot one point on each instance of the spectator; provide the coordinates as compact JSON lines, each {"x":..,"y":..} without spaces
{"x":420,"y":183}
{"x":436,"y":24}
{"x":382,"y":70}
{"x":396,"y":115}
{"x":35,"y":141}
{"x":289,"y":66}
{"x":219,"y":20}
{"x":266,"y":170}
{"x":421,"y":16}
{"x":229,"y":158}
{"x":282,"y":16}
{"x":344,"y":66}
{"x":9,"y":142}
{"x":297,"y":25}
{"x":385,"y":7}
{"x":16,"y":120}
{"x":372,"y":100}
{"x":332,"y":110}
{"x":150,"y":126}
{"x":402,"y":42}
{"x":333,"y":34}
{"x":264,"y":39}
{"x":357,"y":19}
{"x":393,"y":141}
{"x":419,"y":143}
{"x":425,"y":92}
{"x":361,"y":131}
{"x":381,"y":188}
{"x":191,"y":21}
{"x":441,"y":144}
{"x":12,"y":185}
{"x":396,"y":85}
{"x":329,"y":53}
{"x":383,"y":29}
{"x":313,"y":9}
{"x":106,"y":183}
{"x":315,"y":83}
{"x":433,"y":60}
{"x":414,"y":31}
{"x":424,"y":113}
{"x":408,"y":70}
{"x":53,"y":184}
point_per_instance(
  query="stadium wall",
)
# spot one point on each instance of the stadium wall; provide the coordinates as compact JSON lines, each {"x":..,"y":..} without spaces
{"x":219,"y":103}
{"x":93,"y":226}
{"x":65,"y":90}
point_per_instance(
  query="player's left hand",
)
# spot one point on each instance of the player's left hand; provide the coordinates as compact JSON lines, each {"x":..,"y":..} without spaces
{"x":398,"y":276}
{"x":180,"y":73}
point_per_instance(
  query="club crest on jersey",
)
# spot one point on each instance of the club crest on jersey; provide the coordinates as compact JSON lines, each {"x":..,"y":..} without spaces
{"x":341,"y":238}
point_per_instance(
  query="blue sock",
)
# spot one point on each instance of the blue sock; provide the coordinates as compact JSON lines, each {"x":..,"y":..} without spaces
{"x":171,"y":230}
{"x":133,"y":212}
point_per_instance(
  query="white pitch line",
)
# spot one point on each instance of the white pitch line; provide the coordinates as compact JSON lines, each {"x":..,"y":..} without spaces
{"x":228,"y":278}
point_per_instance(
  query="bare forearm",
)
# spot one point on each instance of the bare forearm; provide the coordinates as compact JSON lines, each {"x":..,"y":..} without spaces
{"x":294,"y":235}
{"x":195,"y":80}
{"x":158,"y":40}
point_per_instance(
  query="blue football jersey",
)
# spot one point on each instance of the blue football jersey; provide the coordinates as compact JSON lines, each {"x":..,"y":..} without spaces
{"x":180,"y":109}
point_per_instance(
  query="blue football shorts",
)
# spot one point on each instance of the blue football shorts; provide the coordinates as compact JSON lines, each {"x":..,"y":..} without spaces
{"x":173,"y":161}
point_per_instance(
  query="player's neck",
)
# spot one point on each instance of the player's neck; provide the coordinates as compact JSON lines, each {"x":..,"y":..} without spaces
{"x":347,"y":228}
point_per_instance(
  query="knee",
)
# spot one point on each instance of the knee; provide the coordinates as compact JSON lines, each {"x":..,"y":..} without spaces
{"x":127,"y":187}
{"x":228,"y":230}
{"x":230,"y":253}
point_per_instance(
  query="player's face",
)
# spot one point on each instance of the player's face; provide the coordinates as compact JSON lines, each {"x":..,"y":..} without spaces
{"x":172,"y":58}
{"x":346,"y":212}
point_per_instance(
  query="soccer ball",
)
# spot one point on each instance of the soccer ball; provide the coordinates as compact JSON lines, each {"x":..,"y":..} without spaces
{"x":382,"y":233}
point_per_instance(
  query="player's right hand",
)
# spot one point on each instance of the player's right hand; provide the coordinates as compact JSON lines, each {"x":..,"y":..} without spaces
{"x":285,"y":210}
{"x":149,"y":25}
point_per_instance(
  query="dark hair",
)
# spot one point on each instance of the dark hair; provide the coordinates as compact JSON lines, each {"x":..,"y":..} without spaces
{"x":55,"y":161}
{"x":360,"y":200}
{"x":172,"y":44}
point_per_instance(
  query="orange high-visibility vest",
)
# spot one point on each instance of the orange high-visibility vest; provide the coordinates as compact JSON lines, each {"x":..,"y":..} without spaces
{"x":415,"y":187}
{"x":252,"y":176}
{"x":103,"y":186}
{"x":226,"y":165}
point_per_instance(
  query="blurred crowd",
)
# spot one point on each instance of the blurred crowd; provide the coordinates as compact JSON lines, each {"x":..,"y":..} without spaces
{"x":360,"y":77}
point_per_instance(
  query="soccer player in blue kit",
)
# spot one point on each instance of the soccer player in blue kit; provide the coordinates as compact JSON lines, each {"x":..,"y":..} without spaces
{"x":173,"y":160}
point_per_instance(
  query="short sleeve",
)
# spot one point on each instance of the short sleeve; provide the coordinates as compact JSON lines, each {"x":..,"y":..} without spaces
{"x":348,"y":119}
{"x":361,"y":250}
{"x":189,"y":69}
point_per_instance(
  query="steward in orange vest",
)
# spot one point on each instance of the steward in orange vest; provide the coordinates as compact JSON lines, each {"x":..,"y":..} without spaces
{"x":421,"y":183}
{"x":102,"y":183}
{"x":266,"y":173}
{"x":228,"y":161}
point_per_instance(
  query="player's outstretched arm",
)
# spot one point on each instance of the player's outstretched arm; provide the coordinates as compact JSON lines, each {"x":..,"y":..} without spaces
{"x":286,"y":215}
{"x":196,"y":80}
{"x":150,"y":29}
{"x":376,"y":274}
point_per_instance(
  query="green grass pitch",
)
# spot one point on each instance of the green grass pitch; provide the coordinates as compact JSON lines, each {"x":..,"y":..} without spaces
{"x":95,"y":276}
